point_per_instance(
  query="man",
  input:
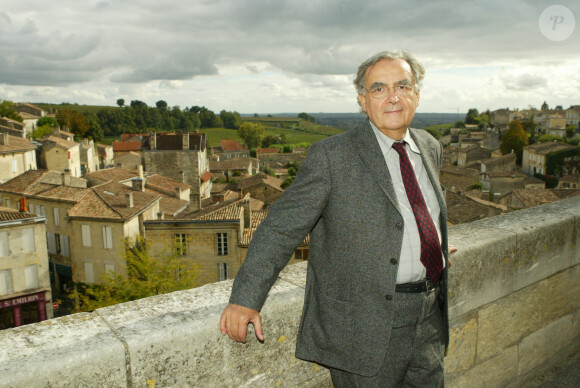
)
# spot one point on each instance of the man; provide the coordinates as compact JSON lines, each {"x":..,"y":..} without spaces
{"x":375,"y":310}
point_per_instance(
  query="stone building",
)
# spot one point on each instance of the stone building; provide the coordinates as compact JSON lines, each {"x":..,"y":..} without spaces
{"x":89,"y":157}
{"x":17,"y":155}
{"x":62,"y":155}
{"x":262,"y":187}
{"x":534,"y":156}
{"x":181,"y":157}
{"x":474,"y":153}
{"x":25,"y":293}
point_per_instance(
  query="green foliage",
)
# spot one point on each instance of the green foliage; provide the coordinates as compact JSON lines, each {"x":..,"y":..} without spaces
{"x":161,"y":104}
{"x":147,"y":275}
{"x":269,"y":171}
{"x":555,"y":160}
{"x":476,"y":186}
{"x":231,"y":120}
{"x":121,"y":102}
{"x":515,"y":138}
{"x":435,"y":133}
{"x":459,"y":124}
{"x":529,"y":126}
{"x":472,"y":116}
{"x":287,"y":182}
{"x":7,"y":110}
{"x":306,"y":116}
{"x":252,"y":134}
{"x":50,"y":121}
{"x":570,"y":131}
{"x":549,"y":137}
{"x":41,"y":131}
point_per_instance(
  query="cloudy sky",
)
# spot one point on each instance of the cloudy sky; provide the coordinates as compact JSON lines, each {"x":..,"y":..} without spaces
{"x":270,"y":56}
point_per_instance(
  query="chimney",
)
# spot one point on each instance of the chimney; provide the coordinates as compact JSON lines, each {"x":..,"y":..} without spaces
{"x":138,"y":184}
{"x":194,"y":202}
{"x":161,"y":215}
{"x":178,"y":192}
{"x":185,"y":141}
{"x":247,"y":213}
{"x":66,"y":180}
{"x":182,"y":176}
{"x":240,"y":194}
{"x":4,"y":139}
{"x":129,"y":197}
{"x":140,"y":171}
{"x":153,"y":141}
{"x":23,"y":208}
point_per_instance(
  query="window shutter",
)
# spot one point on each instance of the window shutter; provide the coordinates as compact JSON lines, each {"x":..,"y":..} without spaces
{"x":28,"y":244}
{"x":64,"y":246}
{"x":31,"y":276}
{"x":4,"y":249}
{"x":51,"y":242}
{"x":86,"y":232}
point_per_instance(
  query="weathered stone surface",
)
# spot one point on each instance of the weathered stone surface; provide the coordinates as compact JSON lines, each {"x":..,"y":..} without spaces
{"x":462,"y":344}
{"x":499,"y":371}
{"x":539,"y":346}
{"x":74,"y":351}
{"x":504,"y":323}
{"x":483,"y":268}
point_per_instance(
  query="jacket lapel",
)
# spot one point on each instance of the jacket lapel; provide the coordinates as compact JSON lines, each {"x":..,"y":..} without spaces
{"x":367,"y":146}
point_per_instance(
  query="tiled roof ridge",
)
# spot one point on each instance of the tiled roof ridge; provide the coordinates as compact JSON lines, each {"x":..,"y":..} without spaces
{"x":104,"y":200}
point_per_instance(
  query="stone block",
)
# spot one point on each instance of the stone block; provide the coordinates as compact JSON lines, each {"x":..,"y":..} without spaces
{"x":462,"y":344}
{"x":498,"y":371}
{"x":505,"y":322}
{"x":74,"y":351}
{"x":539,"y":346}
{"x":483,"y":268}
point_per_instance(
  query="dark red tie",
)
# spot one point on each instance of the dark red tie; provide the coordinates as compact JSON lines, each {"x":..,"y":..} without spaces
{"x":430,"y":246}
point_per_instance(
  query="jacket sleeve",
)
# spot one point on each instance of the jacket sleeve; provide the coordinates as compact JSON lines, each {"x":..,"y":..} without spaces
{"x":288,"y":222}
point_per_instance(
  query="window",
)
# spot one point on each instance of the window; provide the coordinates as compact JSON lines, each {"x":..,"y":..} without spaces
{"x":56,"y":216}
{"x":110,"y":268}
{"x":31,"y":276}
{"x":64,"y":247}
{"x":14,"y":165}
{"x":51,"y":241}
{"x":222,"y":244}
{"x":28,"y":244}
{"x":4,"y":249}
{"x":41,"y":210}
{"x":6,"y":282}
{"x":8,"y":203}
{"x":223,"y":271}
{"x":89,"y":273}
{"x":180,"y":244}
{"x":107,"y":237}
{"x":86,"y":232}
{"x":30,"y":207}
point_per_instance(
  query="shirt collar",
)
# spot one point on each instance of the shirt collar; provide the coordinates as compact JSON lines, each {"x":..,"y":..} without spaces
{"x":386,"y":142}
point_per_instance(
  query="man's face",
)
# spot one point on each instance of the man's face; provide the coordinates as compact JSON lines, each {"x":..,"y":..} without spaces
{"x":392,"y":114}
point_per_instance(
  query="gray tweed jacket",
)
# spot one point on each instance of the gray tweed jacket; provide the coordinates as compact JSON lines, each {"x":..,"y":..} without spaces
{"x":344,"y":197}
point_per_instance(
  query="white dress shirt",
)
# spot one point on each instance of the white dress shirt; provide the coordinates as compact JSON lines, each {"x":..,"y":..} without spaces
{"x":410,"y":267}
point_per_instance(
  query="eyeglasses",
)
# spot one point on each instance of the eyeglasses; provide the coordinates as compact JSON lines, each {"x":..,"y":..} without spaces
{"x":382,"y":90}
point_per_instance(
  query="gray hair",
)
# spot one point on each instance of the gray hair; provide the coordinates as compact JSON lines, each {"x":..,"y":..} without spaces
{"x":416,"y":67}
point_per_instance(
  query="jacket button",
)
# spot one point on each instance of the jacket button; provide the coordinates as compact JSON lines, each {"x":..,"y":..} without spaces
{"x":389,"y":297}
{"x":399,"y":226}
{"x":394,"y":261}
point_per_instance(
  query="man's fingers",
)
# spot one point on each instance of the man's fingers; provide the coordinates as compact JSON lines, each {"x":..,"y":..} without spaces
{"x":257,"y":322}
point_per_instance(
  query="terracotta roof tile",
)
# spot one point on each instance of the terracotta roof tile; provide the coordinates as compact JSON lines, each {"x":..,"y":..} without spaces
{"x":115,"y":174}
{"x":16,"y":144}
{"x":7,"y":214}
{"x":232,"y":146}
{"x":260,"y":179}
{"x":126,"y":146}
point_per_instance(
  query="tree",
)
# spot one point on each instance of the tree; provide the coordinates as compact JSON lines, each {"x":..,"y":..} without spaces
{"x":40,"y":131}
{"x":459,"y":124}
{"x":269,"y":171}
{"x":7,"y":110}
{"x":287,"y":182}
{"x":138,"y":104}
{"x":306,"y":116}
{"x":252,"y":134}
{"x":231,"y":120}
{"x":472,"y":116}
{"x":148,"y":274}
{"x":121,"y":102}
{"x":570,"y":130}
{"x":161,"y":104}
{"x":72,"y":121}
{"x":514,"y":139}
{"x":545,"y":106}
{"x":50,"y":121}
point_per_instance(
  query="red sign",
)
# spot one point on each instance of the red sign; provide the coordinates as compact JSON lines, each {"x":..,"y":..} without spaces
{"x":55,"y":305}
{"x":22,"y":300}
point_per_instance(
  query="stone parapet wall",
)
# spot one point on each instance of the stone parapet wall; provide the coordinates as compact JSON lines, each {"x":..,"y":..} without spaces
{"x":514,"y":308}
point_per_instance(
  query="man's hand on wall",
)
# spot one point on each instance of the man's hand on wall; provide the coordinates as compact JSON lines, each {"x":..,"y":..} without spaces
{"x":234,"y":322}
